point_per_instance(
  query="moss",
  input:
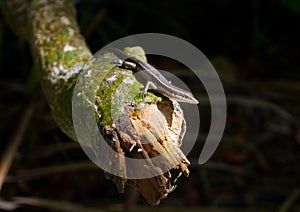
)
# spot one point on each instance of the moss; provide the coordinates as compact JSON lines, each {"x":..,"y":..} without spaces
{"x":112,"y":98}
{"x":71,"y":57}
{"x":117,"y":91}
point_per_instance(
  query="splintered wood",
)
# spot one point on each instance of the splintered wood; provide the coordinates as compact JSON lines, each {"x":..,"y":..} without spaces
{"x":153,"y":135}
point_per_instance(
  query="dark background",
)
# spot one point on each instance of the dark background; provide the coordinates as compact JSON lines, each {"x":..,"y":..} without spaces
{"x":254,"y":46}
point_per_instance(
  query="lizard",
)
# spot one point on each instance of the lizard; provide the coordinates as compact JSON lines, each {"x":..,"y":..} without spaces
{"x":155,"y":80}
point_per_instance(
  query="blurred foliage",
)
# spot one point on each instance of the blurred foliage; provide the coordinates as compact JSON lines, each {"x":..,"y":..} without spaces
{"x":241,"y":30}
{"x":293,"y":5}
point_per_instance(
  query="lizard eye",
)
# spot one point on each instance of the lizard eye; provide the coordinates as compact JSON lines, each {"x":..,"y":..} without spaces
{"x":129,"y":64}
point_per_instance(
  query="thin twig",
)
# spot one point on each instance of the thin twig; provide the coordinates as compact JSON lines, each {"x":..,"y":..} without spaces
{"x":50,"y":150}
{"x":13,"y":145}
{"x":255,"y":102}
{"x":8,"y":205}
{"x":220,"y":166}
{"x":53,"y":205}
{"x":288,"y":203}
{"x":32,"y":174}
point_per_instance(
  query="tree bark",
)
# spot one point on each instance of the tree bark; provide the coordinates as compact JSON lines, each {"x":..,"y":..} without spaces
{"x":60,"y":52}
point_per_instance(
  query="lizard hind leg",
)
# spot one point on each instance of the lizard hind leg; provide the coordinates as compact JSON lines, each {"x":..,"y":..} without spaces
{"x":149,"y":85}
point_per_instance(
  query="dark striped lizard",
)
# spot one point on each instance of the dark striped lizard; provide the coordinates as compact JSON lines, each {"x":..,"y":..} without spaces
{"x":155,"y":80}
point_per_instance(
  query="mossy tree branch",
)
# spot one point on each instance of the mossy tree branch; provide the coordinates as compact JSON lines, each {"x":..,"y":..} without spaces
{"x":57,"y":47}
{"x":60,"y":52}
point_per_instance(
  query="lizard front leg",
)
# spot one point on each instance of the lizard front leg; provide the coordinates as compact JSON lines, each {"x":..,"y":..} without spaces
{"x":149,"y":85}
{"x":133,"y":66}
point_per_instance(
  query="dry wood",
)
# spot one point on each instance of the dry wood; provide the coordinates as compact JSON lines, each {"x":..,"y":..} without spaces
{"x":140,"y":132}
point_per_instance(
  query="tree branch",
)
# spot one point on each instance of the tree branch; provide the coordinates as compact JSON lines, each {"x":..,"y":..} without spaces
{"x":60,"y":51}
